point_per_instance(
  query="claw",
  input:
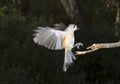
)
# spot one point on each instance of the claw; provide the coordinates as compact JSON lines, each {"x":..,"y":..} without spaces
{"x":78,"y":45}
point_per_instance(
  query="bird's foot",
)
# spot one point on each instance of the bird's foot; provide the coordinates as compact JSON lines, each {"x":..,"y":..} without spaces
{"x":78,"y":45}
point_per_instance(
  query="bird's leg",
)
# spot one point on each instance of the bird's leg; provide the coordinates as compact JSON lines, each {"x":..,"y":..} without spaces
{"x":78,"y":45}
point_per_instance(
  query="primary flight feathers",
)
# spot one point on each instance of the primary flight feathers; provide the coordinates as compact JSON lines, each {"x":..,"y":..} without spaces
{"x":50,"y":38}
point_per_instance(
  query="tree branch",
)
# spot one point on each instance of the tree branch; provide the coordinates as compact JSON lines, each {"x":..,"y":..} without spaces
{"x":97,"y":46}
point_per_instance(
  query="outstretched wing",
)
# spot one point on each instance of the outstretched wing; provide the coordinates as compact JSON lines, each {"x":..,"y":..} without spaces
{"x":50,"y":38}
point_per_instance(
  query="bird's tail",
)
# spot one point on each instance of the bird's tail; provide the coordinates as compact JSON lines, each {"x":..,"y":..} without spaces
{"x":68,"y":60}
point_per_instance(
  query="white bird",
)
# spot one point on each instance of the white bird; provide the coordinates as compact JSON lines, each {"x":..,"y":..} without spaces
{"x":56,"y":39}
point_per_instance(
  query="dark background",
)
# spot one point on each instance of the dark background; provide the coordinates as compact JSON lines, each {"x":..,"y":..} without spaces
{"x":24,"y":62}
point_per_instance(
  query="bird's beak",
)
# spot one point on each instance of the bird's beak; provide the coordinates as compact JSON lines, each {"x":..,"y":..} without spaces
{"x":78,"y":28}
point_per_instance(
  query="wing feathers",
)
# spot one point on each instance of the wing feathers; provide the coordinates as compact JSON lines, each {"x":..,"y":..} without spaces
{"x":48,"y":37}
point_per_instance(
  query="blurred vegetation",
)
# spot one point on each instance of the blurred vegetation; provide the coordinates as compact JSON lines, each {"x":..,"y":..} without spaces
{"x":24,"y":62}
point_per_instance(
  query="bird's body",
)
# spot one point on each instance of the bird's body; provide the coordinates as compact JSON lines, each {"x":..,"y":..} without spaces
{"x":56,"y":40}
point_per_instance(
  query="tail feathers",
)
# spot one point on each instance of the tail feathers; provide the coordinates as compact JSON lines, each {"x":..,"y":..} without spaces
{"x":68,"y":60}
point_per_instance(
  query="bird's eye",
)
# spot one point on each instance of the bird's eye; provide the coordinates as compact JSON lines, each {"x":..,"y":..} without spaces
{"x":74,"y":26}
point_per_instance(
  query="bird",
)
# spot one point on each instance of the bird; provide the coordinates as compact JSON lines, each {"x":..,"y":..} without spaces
{"x":56,"y":39}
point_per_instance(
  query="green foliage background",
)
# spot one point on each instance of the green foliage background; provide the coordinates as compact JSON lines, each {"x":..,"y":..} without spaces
{"x":24,"y":62}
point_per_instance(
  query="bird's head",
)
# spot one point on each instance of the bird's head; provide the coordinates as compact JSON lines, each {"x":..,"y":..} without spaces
{"x":72,"y":27}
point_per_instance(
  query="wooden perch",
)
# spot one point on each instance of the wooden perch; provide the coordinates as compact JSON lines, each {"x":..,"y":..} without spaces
{"x":97,"y":46}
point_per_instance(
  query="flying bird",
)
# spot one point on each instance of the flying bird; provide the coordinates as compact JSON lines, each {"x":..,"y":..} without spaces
{"x":57,"y":38}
